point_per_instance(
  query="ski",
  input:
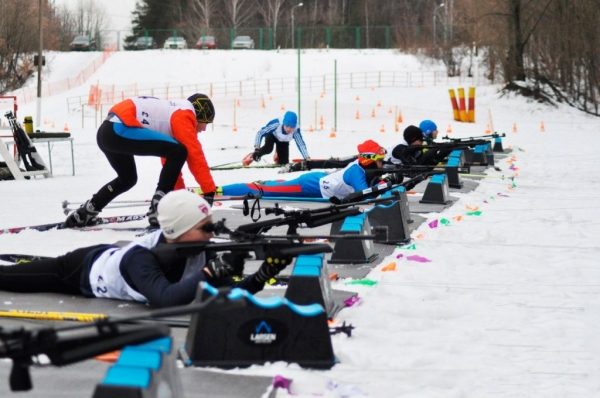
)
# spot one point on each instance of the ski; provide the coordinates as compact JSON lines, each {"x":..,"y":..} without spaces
{"x":224,"y":198}
{"x":68,"y":209}
{"x":239,"y":165}
{"x":60,"y":225}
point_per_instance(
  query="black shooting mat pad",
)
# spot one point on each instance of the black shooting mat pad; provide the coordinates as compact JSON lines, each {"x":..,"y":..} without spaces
{"x":80,"y":379}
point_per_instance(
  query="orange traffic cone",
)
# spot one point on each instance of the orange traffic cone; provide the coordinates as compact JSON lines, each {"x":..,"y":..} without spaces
{"x":66,"y":128}
{"x":382,"y":129}
{"x":542,"y":128}
{"x":449,"y":129}
{"x":514,"y":127}
{"x":332,"y":134}
{"x":373,"y":114}
{"x":357,"y":115}
{"x":400,"y":117}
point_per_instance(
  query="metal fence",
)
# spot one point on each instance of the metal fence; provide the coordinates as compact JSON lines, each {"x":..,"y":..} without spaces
{"x":111,"y":93}
{"x":306,"y":37}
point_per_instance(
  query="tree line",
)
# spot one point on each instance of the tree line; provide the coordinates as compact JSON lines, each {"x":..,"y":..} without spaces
{"x":19,"y":34}
{"x":545,"y":49}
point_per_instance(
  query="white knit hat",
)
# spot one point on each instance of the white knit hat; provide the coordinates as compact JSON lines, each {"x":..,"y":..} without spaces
{"x":179,"y":211}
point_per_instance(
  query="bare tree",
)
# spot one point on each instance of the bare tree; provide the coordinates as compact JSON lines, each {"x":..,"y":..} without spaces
{"x":16,"y":41}
{"x":90,"y":19}
{"x":237,"y":12}
{"x":270,"y":11}
{"x":198,"y":17}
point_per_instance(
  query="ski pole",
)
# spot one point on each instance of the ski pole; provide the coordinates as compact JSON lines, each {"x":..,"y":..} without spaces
{"x":82,"y":317}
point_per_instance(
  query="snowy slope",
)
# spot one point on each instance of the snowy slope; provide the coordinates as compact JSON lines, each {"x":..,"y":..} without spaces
{"x":509,"y":299}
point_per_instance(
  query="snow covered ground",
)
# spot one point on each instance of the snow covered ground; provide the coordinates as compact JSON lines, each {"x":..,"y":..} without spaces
{"x":507,"y":303}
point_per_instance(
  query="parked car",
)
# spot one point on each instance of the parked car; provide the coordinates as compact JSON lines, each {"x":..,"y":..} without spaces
{"x":175,"y":42}
{"x":206,"y":42}
{"x":144,"y":43}
{"x":242,"y":42}
{"x":83,"y":43}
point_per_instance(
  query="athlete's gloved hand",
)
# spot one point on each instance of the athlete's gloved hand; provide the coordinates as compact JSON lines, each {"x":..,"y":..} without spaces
{"x":225,"y":265}
{"x":209,"y":197}
{"x":274,"y":263}
{"x":394,"y":178}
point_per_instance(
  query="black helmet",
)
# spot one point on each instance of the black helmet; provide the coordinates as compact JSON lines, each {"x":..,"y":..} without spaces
{"x":203,"y":106}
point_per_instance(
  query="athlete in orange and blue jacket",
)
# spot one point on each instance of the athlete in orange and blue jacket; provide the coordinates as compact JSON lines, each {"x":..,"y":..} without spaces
{"x":148,"y":126}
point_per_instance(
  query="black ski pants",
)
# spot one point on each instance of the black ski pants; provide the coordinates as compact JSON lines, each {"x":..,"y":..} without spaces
{"x":62,"y":274}
{"x":120,"y":153}
{"x":282,"y":148}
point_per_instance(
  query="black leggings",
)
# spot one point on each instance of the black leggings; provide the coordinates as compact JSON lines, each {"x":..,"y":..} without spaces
{"x":54,"y":275}
{"x":120,"y":151}
{"x":282,"y":148}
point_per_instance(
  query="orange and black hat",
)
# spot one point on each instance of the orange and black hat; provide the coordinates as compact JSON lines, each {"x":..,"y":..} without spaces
{"x":369,"y":152}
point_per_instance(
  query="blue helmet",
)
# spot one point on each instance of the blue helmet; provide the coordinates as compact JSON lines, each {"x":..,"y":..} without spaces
{"x":290,"y":119}
{"x":428,"y":127}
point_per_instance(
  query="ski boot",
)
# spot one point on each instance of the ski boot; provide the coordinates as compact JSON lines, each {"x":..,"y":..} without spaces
{"x":84,"y":216}
{"x":152,"y":213}
{"x":291,"y":167}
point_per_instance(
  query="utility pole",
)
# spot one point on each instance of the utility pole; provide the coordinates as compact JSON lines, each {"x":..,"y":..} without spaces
{"x":39,"y":66}
{"x":293,"y":29}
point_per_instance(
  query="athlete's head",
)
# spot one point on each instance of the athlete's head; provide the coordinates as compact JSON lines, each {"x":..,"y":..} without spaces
{"x":429,"y":129}
{"x":289,"y":122}
{"x":185,"y":217}
{"x":370,"y":154}
{"x":204,"y":108}
{"x":413,"y":135}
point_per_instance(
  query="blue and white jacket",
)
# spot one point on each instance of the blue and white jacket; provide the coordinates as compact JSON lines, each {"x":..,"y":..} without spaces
{"x":342,"y":183}
{"x":275,"y":127}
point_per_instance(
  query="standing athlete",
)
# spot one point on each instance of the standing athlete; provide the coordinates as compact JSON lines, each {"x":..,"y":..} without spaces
{"x":148,"y":126}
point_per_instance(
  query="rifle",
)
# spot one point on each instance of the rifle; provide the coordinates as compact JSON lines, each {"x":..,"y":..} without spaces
{"x":70,"y":344}
{"x":27,"y":152}
{"x":386,"y":186}
{"x":484,"y":137}
{"x":310,"y":217}
{"x":250,"y":237}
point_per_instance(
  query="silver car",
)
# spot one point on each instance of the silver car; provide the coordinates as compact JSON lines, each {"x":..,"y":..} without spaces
{"x":242,"y":42}
{"x":175,"y":42}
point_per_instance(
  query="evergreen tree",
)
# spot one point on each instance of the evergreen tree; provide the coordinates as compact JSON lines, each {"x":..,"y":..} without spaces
{"x":157,"y":18}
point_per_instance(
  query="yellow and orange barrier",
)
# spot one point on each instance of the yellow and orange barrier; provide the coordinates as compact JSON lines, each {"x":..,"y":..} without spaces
{"x":459,"y":107}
